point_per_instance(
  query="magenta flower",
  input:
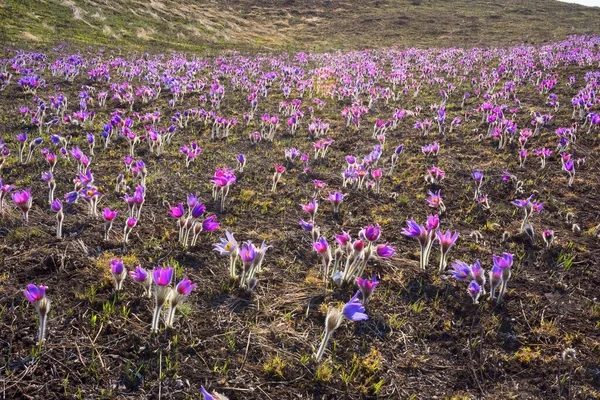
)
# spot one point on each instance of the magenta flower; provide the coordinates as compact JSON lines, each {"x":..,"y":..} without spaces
{"x":23,"y":200}
{"x":311,"y":208}
{"x":385,"y":251}
{"x":366,"y":287}
{"x":163,"y":276}
{"x":109,"y":215}
{"x":321,"y":246}
{"x":185,"y":286}
{"x":177,"y":212}
{"x":33,"y":293}
{"x":446,"y":241}
{"x":336,"y":200}
{"x":37,"y":296}
{"x":371,"y":232}
{"x":209,"y":223}
{"x":162,"y":280}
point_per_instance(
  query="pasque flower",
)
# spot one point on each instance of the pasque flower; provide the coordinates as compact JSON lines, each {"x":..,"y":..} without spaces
{"x":446,"y":241}
{"x":23,"y":200}
{"x":182,"y":290}
{"x":353,"y":310}
{"x":475,"y":291}
{"x":37,"y":296}
{"x":118,"y":271}
{"x":336,"y":199}
{"x":504,"y":263}
{"x":57,"y":207}
{"x":143,"y":278}
{"x":229,"y":247}
{"x":162,"y":292}
{"x":366,"y":288}
{"x":422,"y":234}
{"x":109,"y":216}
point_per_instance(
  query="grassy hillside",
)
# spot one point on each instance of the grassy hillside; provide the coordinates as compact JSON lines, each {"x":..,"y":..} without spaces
{"x":290,"y":24}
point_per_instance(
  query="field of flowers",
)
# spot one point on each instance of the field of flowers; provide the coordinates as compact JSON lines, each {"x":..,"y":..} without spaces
{"x":402,"y":224}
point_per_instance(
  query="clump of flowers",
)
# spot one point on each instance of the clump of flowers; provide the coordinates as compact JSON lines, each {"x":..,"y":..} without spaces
{"x":190,"y":222}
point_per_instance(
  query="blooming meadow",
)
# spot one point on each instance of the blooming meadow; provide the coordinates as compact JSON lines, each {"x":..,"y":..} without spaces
{"x":386,"y":222}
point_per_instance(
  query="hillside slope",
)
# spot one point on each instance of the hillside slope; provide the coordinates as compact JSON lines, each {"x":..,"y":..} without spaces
{"x":290,"y":24}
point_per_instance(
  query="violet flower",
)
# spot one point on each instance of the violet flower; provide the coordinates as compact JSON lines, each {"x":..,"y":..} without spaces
{"x":366,"y":288}
{"x":446,"y":241}
{"x":143,"y":278}
{"x":23,"y":200}
{"x":353,"y":310}
{"x":109,"y":216}
{"x":475,"y":291}
{"x":336,"y":200}
{"x":162,"y":292}
{"x":422,"y":235}
{"x":37,"y":296}
{"x":57,"y":207}
{"x":118,"y":272}
{"x":505,"y":263}
{"x":229,"y":247}
{"x":182,"y":290}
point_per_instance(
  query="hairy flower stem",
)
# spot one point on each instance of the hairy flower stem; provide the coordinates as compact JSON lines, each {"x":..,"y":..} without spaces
{"x":323,"y":346}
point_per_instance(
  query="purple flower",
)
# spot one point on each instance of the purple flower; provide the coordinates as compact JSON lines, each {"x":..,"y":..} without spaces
{"x":321,"y":245}
{"x":433,"y":221}
{"x":385,"y":251}
{"x":163,"y":276}
{"x":417,"y":231}
{"x":131,"y":222}
{"x":198,"y":210}
{"x":185,"y":286}
{"x":354,"y":309}
{"x":311,"y":208}
{"x":505,"y":261}
{"x":209,"y":224}
{"x":475,"y":291}
{"x":446,"y":240}
{"x":248,"y":252}
{"x":344,"y":239}
{"x":477,"y":175}
{"x":460,"y":270}
{"x":22,"y":199}
{"x":33,"y":293}
{"x":366,"y":287}
{"x":307,"y":226}
{"x":56,"y":205}
{"x":71,"y":196}
{"x":109,"y":215}
{"x":372,"y":232}
{"x":139,"y":275}
{"x":177,"y":212}
{"x":117,"y":267}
